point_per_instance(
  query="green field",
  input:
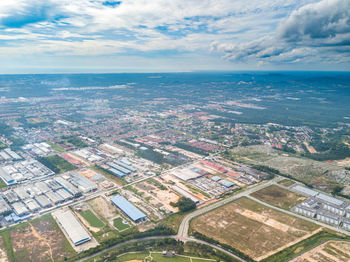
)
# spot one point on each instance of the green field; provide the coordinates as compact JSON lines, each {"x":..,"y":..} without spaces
{"x":118,"y":223}
{"x":157,"y":257}
{"x":92,"y":219}
{"x":57,"y":164}
{"x":56,"y":147}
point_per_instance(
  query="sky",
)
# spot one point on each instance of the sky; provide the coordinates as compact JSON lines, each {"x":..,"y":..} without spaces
{"x":73,"y":36}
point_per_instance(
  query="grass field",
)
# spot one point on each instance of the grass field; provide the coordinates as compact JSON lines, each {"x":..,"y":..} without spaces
{"x":286,"y":182}
{"x":118,"y":223}
{"x":252,"y":228}
{"x":93,"y":220}
{"x":2,"y":184}
{"x":156,"y":257}
{"x":56,"y":147}
{"x":278,"y":196}
{"x":37,"y":240}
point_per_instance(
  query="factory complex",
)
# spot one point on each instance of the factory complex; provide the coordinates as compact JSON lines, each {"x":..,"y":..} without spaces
{"x":323,"y":207}
{"x":25,"y":200}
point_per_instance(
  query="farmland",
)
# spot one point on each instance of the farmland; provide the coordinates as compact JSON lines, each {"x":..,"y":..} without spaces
{"x":278,"y":196}
{"x":253,"y":229}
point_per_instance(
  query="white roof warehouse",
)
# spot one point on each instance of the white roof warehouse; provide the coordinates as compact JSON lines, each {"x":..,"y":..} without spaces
{"x":70,"y":224}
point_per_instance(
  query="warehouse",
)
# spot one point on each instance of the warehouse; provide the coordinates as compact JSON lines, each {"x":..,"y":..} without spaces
{"x":43,"y":201}
{"x":20,"y":209}
{"x":10,"y":196}
{"x":32,"y":205}
{"x":82,"y":183}
{"x":70,"y":224}
{"x":65,"y":195}
{"x":68,"y":186}
{"x":305,"y":191}
{"x":184,"y":193}
{"x":120,"y":163}
{"x":5,"y":209}
{"x":21,"y":193}
{"x":119,"y":168}
{"x":226,"y":183}
{"x":185,"y":174}
{"x":129,"y":209}
{"x":6,"y":177}
{"x":116,"y":172}
{"x":54,"y":198}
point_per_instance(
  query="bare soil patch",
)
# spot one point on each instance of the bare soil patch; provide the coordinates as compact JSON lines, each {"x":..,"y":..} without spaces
{"x":252,"y":228}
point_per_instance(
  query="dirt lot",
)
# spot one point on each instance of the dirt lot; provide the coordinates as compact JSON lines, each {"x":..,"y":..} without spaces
{"x":41,"y":240}
{"x":3,"y":255}
{"x":252,"y":228}
{"x":278,"y":196}
{"x":103,"y":208}
{"x":331,"y":251}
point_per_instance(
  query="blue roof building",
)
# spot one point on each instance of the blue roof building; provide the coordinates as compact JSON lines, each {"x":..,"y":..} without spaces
{"x":226,"y":183}
{"x":129,"y":209}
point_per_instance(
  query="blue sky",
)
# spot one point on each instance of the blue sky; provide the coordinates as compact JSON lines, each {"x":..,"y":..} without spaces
{"x":49,"y":36}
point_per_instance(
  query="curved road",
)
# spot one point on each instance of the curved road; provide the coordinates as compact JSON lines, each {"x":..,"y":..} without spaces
{"x":185,"y":224}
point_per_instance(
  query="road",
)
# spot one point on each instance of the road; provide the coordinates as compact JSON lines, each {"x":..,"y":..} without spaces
{"x":158,"y":237}
{"x":184,"y":226}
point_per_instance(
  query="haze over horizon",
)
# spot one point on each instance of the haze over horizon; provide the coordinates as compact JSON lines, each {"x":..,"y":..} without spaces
{"x":173,"y":36}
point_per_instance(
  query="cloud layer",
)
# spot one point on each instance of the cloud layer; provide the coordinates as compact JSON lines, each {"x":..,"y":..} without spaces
{"x":244,"y":32}
{"x":317,"y":32}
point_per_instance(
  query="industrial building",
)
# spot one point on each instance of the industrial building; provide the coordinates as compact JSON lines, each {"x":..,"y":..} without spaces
{"x":54,"y":197}
{"x":184,"y":193}
{"x":43,"y":201}
{"x":305,"y":191}
{"x":129,"y":209}
{"x":82,"y":183}
{"x":328,"y":218}
{"x":119,"y":168}
{"x":7,"y":178}
{"x":32,"y":205}
{"x":20,"y":209}
{"x":68,"y":186}
{"x":70,"y":224}
{"x":116,"y":172}
{"x":5,"y":209}
{"x":124,"y":165}
{"x":305,"y":211}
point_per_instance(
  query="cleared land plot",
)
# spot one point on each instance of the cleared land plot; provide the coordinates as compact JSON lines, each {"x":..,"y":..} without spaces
{"x":3,"y":255}
{"x":92,"y":218}
{"x":119,"y":223}
{"x":103,"y":208}
{"x":252,"y":228}
{"x":278,"y":196}
{"x":331,"y":251}
{"x":39,"y":240}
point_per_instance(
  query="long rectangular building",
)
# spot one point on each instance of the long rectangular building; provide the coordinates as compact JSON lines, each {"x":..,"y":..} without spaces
{"x":70,"y":224}
{"x":129,"y":209}
{"x":184,"y":193}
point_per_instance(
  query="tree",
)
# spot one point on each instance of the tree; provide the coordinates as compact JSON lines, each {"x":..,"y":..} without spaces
{"x":184,"y":204}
